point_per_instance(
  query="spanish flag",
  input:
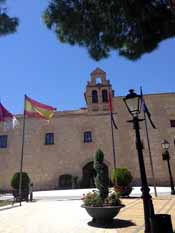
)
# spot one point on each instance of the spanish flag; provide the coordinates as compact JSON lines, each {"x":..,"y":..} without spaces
{"x":38,"y":110}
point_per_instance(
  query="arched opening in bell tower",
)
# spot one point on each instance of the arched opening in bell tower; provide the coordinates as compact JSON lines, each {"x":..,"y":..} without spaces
{"x":94,"y":96}
{"x":104,"y":96}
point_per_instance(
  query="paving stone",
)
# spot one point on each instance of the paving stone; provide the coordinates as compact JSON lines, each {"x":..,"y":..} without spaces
{"x":52,"y":216}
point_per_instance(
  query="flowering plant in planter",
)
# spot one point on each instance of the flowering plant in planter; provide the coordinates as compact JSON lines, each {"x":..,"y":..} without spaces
{"x":93,"y":199}
{"x":101,"y":205}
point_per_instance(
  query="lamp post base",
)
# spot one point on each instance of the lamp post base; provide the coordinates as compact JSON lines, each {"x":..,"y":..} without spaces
{"x":172,"y":192}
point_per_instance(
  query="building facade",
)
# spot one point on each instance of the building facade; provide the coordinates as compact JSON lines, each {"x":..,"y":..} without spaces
{"x":67,"y":144}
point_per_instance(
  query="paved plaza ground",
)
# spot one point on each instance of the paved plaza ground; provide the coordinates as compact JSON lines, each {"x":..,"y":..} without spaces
{"x":61,"y":212}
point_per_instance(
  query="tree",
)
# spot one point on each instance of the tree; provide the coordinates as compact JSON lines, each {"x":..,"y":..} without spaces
{"x":7,"y":24}
{"x":131,"y":27}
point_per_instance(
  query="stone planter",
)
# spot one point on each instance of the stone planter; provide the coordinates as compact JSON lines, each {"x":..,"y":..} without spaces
{"x":123,"y":191}
{"x":103,"y":215}
{"x":24,"y":195}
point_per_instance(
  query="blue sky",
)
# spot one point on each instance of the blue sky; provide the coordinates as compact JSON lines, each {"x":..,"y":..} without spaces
{"x":35,"y":63}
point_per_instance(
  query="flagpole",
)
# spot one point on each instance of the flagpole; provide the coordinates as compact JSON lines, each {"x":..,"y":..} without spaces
{"x":112,"y":135}
{"x":113,"y":142}
{"x":22,"y":153}
{"x":150,"y":155}
{"x":147,"y":114}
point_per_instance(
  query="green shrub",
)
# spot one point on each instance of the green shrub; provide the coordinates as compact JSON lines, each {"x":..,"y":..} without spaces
{"x":16,"y":179}
{"x":122,"y":176}
{"x":101,"y":180}
{"x":65,"y":181}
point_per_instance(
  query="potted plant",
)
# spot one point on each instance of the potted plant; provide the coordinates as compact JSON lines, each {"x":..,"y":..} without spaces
{"x":121,"y":179}
{"x":24,"y":186}
{"x":101,"y":205}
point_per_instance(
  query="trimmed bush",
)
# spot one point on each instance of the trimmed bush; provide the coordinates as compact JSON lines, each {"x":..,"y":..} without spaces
{"x":101,"y":197}
{"x":122,"y":176}
{"x":101,"y":180}
{"x":16,"y":179}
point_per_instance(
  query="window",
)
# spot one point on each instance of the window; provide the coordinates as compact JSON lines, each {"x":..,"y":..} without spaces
{"x":172,"y":123}
{"x":104,"y":96}
{"x":3,"y":141}
{"x":87,"y":137}
{"x":49,"y":138}
{"x":94,"y":96}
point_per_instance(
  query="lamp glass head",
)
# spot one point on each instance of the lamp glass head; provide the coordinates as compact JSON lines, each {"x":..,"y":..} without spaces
{"x":132,"y":101}
{"x":165,"y":144}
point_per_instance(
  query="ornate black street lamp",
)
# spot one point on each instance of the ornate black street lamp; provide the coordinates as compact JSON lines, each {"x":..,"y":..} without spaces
{"x":133,"y":104}
{"x":165,"y":155}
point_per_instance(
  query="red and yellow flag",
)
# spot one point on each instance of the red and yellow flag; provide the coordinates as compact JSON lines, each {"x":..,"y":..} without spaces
{"x":38,"y":110}
{"x":4,"y":113}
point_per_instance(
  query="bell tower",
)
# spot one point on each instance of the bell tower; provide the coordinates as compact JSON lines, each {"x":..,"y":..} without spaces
{"x":97,"y":91}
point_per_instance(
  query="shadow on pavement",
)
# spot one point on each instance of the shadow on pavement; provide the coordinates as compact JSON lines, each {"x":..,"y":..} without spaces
{"x":9,"y":207}
{"x":117,"y":223}
{"x":131,"y":197}
{"x":13,"y":205}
